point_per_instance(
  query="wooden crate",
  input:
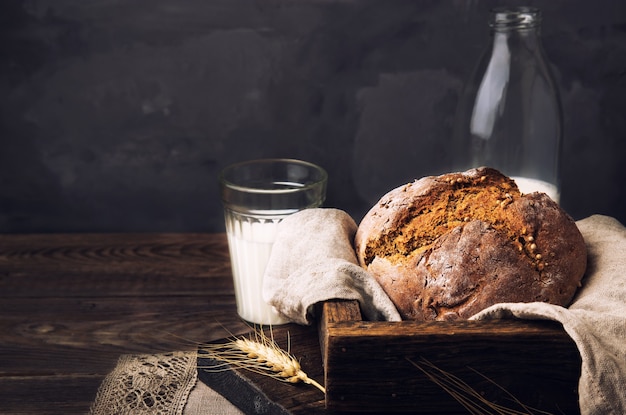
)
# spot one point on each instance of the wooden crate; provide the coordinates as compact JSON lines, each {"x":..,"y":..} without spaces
{"x":370,"y":367}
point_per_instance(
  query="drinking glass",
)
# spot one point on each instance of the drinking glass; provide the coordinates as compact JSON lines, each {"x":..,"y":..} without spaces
{"x":256,"y":196}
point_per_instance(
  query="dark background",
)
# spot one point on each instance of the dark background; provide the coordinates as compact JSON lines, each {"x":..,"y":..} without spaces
{"x":117,"y":115}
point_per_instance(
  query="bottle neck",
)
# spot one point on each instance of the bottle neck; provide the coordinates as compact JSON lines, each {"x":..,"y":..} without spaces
{"x":521,"y":23}
{"x":515,"y":18}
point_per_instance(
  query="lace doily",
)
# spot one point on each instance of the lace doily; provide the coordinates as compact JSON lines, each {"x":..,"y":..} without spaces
{"x":147,"y":384}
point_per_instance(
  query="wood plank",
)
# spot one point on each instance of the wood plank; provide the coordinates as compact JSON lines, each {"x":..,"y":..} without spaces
{"x":135,"y":264}
{"x":58,"y":334}
{"x":48,"y":394}
{"x":331,"y":312}
{"x":370,"y":366}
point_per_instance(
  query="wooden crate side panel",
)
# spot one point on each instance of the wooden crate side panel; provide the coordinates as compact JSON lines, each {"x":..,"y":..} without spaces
{"x":370,"y":366}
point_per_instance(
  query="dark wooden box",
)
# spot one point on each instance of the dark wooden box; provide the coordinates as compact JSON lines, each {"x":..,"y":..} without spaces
{"x":372,"y":367}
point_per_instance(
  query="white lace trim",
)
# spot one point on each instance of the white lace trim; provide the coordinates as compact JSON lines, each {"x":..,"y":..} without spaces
{"x":147,"y":384}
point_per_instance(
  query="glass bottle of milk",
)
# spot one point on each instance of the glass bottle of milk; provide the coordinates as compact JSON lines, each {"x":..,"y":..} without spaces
{"x":509,"y":116}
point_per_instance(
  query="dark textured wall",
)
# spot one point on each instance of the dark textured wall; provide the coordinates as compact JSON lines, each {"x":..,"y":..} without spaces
{"x":117,"y":115}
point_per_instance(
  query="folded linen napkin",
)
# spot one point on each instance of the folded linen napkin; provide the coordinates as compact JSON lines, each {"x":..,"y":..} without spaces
{"x":313,"y":260}
{"x":596,"y":319}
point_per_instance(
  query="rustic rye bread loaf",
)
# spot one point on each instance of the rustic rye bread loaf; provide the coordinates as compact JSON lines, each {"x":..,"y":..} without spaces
{"x":446,"y":247}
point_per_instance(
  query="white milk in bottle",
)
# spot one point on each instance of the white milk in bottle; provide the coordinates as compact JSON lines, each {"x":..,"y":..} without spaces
{"x":527,"y":185}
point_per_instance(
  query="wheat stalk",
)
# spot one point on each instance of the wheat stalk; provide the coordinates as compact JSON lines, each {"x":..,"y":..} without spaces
{"x":259,"y":354}
{"x":467,"y":396}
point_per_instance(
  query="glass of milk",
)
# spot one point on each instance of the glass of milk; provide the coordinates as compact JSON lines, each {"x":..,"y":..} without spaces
{"x":257,"y":195}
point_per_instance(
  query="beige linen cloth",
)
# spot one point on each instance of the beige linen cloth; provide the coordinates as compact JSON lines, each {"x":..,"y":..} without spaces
{"x":313,"y":260}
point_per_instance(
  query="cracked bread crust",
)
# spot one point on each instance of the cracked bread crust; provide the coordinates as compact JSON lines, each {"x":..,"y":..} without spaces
{"x":446,"y":247}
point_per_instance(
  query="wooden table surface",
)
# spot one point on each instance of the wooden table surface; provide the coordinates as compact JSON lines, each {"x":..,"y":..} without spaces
{"x":71,"y":304}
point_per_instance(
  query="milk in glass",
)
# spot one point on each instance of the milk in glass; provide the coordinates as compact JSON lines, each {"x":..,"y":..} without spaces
{"x":250,"y":241}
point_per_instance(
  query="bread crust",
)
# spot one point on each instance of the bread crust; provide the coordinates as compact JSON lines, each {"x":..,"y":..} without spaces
{"x":446,"y":247}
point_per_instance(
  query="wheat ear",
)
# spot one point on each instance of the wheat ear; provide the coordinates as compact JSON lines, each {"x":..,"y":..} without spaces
{"x":260,"y":354}
{"x":467,"y":396}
